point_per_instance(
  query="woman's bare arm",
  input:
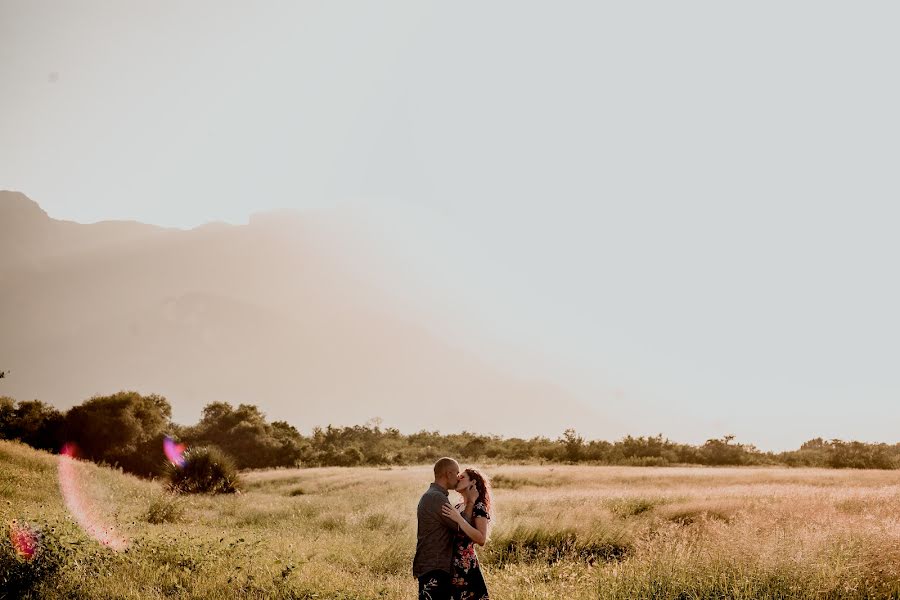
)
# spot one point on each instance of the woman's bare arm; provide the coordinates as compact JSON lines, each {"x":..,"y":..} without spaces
{"x":477,"y":534}
{"x":481,"y":525}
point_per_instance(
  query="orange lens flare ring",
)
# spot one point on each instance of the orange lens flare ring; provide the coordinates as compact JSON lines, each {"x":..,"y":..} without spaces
{"x":78,"y":505}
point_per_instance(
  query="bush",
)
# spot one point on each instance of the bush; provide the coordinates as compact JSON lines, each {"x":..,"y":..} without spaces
{"x":165,"y":509}
{"x":207,"y":470}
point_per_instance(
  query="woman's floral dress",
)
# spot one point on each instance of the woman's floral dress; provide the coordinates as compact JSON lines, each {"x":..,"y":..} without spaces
{"x":468,"y":582}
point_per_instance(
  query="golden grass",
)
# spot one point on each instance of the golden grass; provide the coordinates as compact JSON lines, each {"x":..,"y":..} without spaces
{"x":560,"y":532}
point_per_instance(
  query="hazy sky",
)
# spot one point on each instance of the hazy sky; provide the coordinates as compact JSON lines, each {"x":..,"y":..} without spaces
{"x":687,"y":209}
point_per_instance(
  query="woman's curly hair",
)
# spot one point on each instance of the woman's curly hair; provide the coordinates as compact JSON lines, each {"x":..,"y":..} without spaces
{"x":483,"y":485}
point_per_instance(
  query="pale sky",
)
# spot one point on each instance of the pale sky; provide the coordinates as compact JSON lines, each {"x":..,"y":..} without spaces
{"x":685,"y":211}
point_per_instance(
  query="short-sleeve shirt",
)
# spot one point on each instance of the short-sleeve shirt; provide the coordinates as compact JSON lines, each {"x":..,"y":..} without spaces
{"x":434,"y":534}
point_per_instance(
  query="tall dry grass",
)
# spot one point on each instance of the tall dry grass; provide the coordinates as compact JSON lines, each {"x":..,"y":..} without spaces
{"x":560,"y":532}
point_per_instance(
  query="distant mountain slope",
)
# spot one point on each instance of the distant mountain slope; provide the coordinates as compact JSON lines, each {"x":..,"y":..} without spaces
{"x":271,"y":313}
{"x":30,"y":237}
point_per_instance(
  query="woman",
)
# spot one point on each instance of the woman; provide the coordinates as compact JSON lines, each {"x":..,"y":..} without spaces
{"x":473,"y":516}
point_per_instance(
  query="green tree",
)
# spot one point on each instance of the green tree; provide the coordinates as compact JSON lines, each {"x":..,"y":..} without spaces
{"x":38,"y":424}
{"x":7,"y":409}
{"x":723,"y":452}
{"x":31,"y":421}
{"x":244,"y":434}
{"x":573,"y":445}
{"x":125,"y":428}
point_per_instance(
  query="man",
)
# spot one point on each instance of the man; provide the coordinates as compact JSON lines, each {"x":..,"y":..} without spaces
{"x":433,"y":562}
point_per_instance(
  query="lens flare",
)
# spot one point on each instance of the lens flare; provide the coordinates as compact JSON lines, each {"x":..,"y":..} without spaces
{"x":174,"y":452}
{"x":78,"y":505}
{"x":26,"y":539}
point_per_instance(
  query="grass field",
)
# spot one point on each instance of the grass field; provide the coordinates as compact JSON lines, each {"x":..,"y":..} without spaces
{"x":560,"y":532}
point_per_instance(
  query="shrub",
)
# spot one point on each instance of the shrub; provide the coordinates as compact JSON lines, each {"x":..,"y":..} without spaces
{"x":207,"y":470}
{"x":165,"y":509}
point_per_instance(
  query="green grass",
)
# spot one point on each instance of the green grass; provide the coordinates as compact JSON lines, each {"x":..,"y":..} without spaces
{"x":560,"y":532}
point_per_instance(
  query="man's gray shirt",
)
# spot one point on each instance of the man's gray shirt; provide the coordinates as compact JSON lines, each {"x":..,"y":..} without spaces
{"x":434,"y":536}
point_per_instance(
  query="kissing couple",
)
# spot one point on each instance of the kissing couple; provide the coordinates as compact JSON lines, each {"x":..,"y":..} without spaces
{"x":445,"y":563}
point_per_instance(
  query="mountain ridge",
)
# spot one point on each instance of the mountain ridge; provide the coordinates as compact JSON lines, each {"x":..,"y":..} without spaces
{"x":277,"y":313}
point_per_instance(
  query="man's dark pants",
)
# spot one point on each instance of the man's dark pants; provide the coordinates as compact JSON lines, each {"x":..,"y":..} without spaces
{"x":434,"y":585}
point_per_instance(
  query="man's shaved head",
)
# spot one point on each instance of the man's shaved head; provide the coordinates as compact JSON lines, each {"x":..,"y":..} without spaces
{"x":443,"y":465}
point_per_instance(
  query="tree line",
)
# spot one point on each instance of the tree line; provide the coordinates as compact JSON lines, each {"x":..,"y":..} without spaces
{"x":127,"y":429}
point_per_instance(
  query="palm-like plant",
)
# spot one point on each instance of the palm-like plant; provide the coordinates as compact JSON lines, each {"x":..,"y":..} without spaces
{"x":206,"y":470}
